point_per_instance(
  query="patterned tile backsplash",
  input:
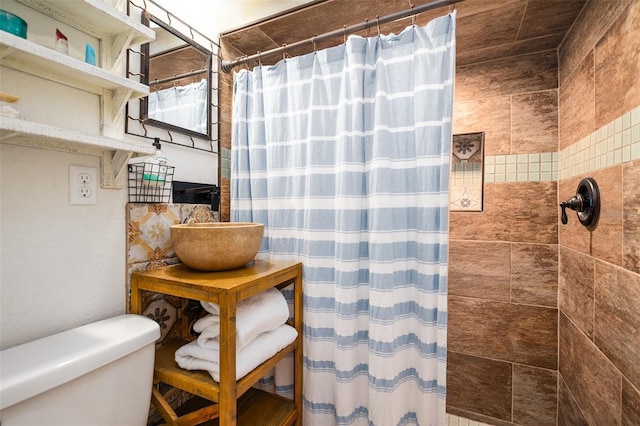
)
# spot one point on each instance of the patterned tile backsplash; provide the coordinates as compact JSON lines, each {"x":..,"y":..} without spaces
{"x":149,"y":247}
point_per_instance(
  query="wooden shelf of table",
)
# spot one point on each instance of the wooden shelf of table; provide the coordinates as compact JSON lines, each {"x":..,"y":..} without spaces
{"x":226,"y":288}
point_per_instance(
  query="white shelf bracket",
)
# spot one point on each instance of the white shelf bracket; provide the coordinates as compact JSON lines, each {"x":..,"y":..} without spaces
{"x":119,"y":45}
{"x":114,"y":168}
{"x":117,"y":101}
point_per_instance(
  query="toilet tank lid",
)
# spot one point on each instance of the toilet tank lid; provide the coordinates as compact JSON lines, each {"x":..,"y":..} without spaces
{"x":32,"y":368}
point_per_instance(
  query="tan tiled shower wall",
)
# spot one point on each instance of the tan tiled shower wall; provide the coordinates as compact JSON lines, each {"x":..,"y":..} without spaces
{"x":503,"y":264}
{"x":599,"y":271}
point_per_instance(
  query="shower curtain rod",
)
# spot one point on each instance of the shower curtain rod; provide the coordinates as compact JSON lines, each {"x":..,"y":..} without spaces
{"x":179,"y":76}
{"x":227,"y":66}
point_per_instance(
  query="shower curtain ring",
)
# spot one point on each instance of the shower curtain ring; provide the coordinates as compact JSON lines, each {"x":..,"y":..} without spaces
{"x":284,"y":51}
{"x":413,"y":16}
{"x":259,"y":58}
{"x":313,"y":41}
{"x":378,"y":24}
{"x":366,"y":24}
{"x":344,"y":33}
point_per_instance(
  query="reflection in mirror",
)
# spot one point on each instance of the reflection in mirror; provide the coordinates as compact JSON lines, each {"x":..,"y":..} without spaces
{"x":177,"y":73}
{"x":467,"y":172}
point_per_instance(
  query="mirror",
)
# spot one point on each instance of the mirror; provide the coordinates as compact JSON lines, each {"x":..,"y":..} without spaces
{"x":467,"y":172}
{"x":178,"y":72}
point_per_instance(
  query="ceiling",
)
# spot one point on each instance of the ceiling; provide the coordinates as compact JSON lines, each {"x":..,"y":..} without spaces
{"x":486,"y":29}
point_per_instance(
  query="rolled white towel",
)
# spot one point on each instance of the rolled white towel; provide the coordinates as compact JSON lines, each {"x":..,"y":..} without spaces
{"x":192,"y":356}
{"x":257,"y":314}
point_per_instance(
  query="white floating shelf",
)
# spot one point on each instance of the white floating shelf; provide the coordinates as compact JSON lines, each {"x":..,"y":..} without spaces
{"x":94,"y":17}
{"x":28,"y":133}
{"x":114,"y":153}
{"x":27,"y":56}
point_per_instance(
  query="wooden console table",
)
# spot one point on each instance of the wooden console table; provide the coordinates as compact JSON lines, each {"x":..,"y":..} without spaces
{"x":225,"y":288}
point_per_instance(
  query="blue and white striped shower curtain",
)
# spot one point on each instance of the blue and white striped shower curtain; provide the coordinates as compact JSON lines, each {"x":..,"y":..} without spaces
{"x":344,"y":155}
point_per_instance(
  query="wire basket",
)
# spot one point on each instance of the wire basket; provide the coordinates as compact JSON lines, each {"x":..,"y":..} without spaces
{"x":150,"y":183}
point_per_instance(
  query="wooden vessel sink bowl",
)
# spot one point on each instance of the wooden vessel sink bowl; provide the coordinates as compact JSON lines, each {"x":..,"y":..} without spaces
{"x":217,"y":246}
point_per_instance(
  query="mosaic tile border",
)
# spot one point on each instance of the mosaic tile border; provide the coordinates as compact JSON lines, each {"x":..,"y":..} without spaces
{"x":614,"y":143}
{"x":539,"y":167}
{"x":225,"y":163}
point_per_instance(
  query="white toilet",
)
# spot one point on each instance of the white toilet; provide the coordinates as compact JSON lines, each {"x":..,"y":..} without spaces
{"x":97,"y":374}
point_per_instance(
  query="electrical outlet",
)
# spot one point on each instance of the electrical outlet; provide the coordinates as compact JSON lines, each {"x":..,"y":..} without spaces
{"x":82,"y":185}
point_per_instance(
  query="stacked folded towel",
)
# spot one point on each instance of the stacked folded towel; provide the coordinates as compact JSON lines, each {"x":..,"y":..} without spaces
{"x":261,"y":332}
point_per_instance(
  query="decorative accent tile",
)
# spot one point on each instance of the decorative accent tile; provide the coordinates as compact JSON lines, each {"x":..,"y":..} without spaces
{"x":614,"y":143}
{"x":535,"y":167}
{"x":149,"y":236}
{"x":225,"y":163}
{"x":149,"y":247}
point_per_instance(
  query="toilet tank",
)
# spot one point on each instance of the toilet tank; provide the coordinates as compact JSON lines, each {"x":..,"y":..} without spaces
{"x":97,"y":374}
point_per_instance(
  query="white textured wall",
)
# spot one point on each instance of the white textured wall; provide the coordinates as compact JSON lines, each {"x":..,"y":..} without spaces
{"x":61,"y":266}
{"x":215,"y":17}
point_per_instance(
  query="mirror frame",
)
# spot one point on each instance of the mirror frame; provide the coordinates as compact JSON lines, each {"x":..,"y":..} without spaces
{"x":147,"y":18}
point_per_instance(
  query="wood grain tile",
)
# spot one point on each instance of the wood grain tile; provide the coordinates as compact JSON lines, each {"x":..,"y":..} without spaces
{"x":606,"y":239}
{"x":520,"y":74}
{"x":593,"y":381}
{"x":479,"y":269}
{"x":534,"y":274}
{"x":503,"y":331}
{"x":589,"y":27}
{"x":477,"y":417}
{"x":509,"y":214}
{"x":534,"y":396}
{"x":617,"y":67}
{"x":534,"y":122}
{"x":544,"y":17}
{"x":617,"y":318}
{"x":516,"y":48}
{"x":577,"y":104}
{"x":569,"y":414}
{"x":576,"y":287}
{"x":491,"y":116}
{"x":529,"y":221}
{"x":631,"y":216}
{"x":249,"y":41}
{"x":497,"y":25}
{"x":479,"y":385}
{"x":630,"y":404}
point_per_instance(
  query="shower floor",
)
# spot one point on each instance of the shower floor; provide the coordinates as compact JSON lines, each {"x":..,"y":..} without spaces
{"x":452,"y":420}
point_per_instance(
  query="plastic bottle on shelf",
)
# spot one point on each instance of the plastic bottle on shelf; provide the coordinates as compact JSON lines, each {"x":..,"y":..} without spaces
{"x":161,"y":158}
{"x":154,"y":167}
